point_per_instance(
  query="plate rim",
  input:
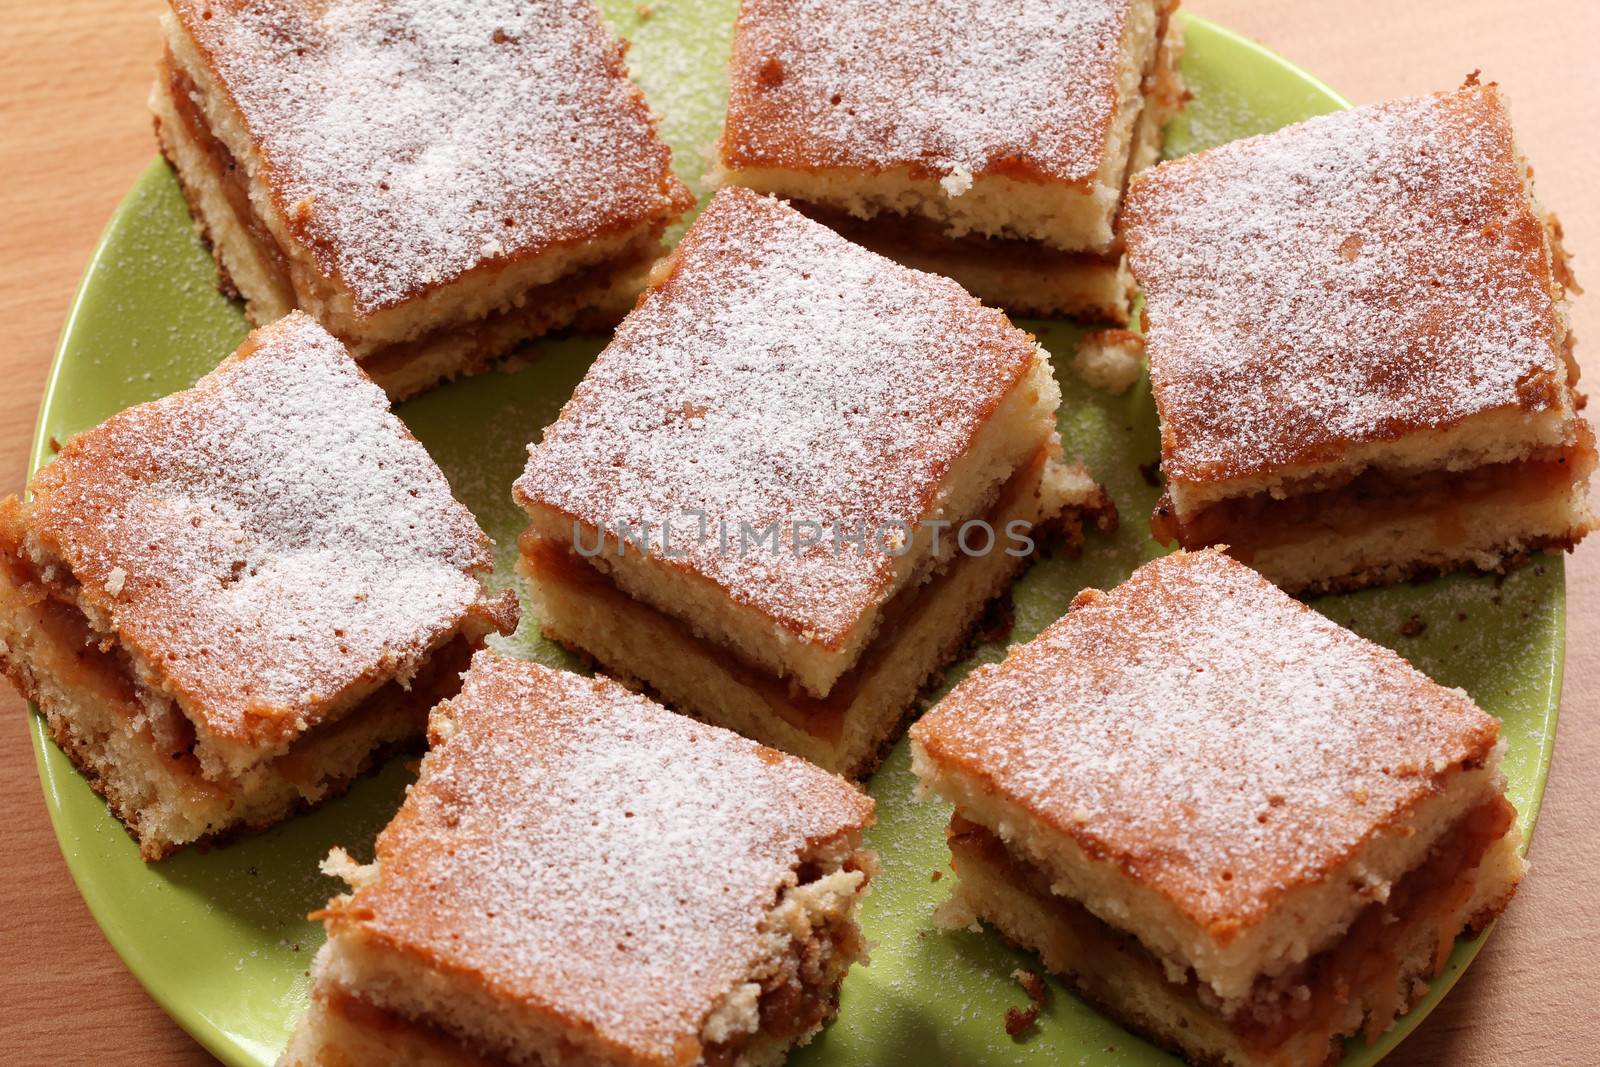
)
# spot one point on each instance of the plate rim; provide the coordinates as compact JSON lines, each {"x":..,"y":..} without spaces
{"x":235,"y":1050}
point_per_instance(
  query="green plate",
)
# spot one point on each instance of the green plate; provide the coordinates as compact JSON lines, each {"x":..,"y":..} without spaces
{"x":219,"y":937}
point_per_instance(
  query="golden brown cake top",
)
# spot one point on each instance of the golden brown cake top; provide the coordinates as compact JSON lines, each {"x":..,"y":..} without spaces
{"x":1019,"y":87}
{"x":582,"y":851}
{"x":409,"y":142}
{"x":1217,"y":740}
{"x":778,"y":373}
{"x":266,"y":540}
{"x":1353,"y":279}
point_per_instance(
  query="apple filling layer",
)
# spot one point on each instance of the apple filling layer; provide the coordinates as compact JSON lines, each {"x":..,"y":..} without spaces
{"x":790,"y":990}
{"x":1310,"y":1003}
{"x":912,"y":235}
{"x":821,"y":717}
{"x":1354,"y":503}
{"x":137,"y":747}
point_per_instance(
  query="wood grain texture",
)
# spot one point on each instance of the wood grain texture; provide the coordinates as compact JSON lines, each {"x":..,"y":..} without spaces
{"x":75,"y":135}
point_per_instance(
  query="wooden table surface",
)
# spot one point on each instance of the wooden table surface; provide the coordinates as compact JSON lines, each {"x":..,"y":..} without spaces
{"x":73,"y":77}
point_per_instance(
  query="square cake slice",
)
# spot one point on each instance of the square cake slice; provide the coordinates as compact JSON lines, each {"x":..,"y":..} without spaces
{"x":984,"y":140}
{"x":1235,"y":826}
{"x":227,"y":602}
{"x":1359,"y":347}
{"x":786,"y":491}
{"x":435,"y":181}
{"x":582,"y":877}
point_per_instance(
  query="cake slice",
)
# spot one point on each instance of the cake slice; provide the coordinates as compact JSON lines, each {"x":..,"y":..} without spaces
{"x":228,"y":602}
{"x":1359,"y":347}
{"x":435,"y":182}
{"x":986,"y":141}
{"x":581,"y":877}
{"x":785,"y":492}
{"x":1236,"y":827}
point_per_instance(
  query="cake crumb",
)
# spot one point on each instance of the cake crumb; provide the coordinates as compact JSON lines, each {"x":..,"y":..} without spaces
{"x":1413,"y":627}
{"x":1019,"y":1020}
{"x":957,"y":182}
{"x":936,"y":876}
{"x":1109,"y":359}
{"x":114,"y":581}
{"x":341,"y":865}
{"x":1032,"y":984}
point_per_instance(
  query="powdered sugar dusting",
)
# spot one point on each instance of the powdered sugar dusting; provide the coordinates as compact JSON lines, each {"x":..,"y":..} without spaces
{"x":780,"y":373}
{"x":1218,"y":740}
{"x":1355,"y":278}
{"x":960,"y":86}
{"x":589,"y":853}
{"x":412,"y":140}
{"x":274,"y":535}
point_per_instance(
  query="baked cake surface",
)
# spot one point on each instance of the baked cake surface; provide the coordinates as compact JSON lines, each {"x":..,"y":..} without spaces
{"x":408,"y":144}
{"x":777,"y":372}
{"x":1353,"y":280}
{"x":1199,"y":762}
{"x":580,"y":874}
{"x":965,"y":88}
{"x":228,"y":601}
